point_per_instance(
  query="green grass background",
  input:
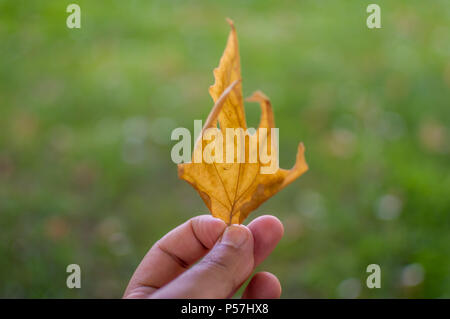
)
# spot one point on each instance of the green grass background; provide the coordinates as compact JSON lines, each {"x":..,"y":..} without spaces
{"x":86,"y":116}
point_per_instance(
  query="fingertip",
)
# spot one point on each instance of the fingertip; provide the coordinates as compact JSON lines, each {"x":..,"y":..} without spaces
{"x":236,"y":235}
{"x":267,"y":228}
{"x":208,"y":229}
{"x":263,"y":285}
{"x":267,"y":231}
{"x":270,"y":221}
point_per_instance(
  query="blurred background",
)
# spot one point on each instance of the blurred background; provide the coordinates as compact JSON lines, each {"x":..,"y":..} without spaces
{"x":86,"y":116}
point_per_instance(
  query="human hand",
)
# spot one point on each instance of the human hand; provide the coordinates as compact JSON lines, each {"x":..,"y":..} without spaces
{"x":230,"y":254}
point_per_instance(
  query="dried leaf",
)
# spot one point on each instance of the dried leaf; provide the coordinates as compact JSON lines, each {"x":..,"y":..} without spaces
{"x":232,"y":190}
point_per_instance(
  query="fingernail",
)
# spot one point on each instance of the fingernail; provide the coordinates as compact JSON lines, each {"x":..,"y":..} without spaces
{"x":235,"y":235}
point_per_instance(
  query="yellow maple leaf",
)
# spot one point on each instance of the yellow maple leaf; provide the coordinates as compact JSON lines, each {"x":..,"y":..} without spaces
{"x":233,"y":189}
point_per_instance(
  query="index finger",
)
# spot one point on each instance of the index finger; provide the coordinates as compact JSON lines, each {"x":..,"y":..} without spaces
{"x":174,"y":253}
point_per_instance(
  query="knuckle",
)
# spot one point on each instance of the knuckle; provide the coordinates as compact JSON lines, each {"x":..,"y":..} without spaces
{"x":220,"y":268}
{"x":216,"y":265}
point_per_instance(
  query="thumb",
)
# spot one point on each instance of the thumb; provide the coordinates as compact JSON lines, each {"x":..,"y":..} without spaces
{"x":220,"y":272}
